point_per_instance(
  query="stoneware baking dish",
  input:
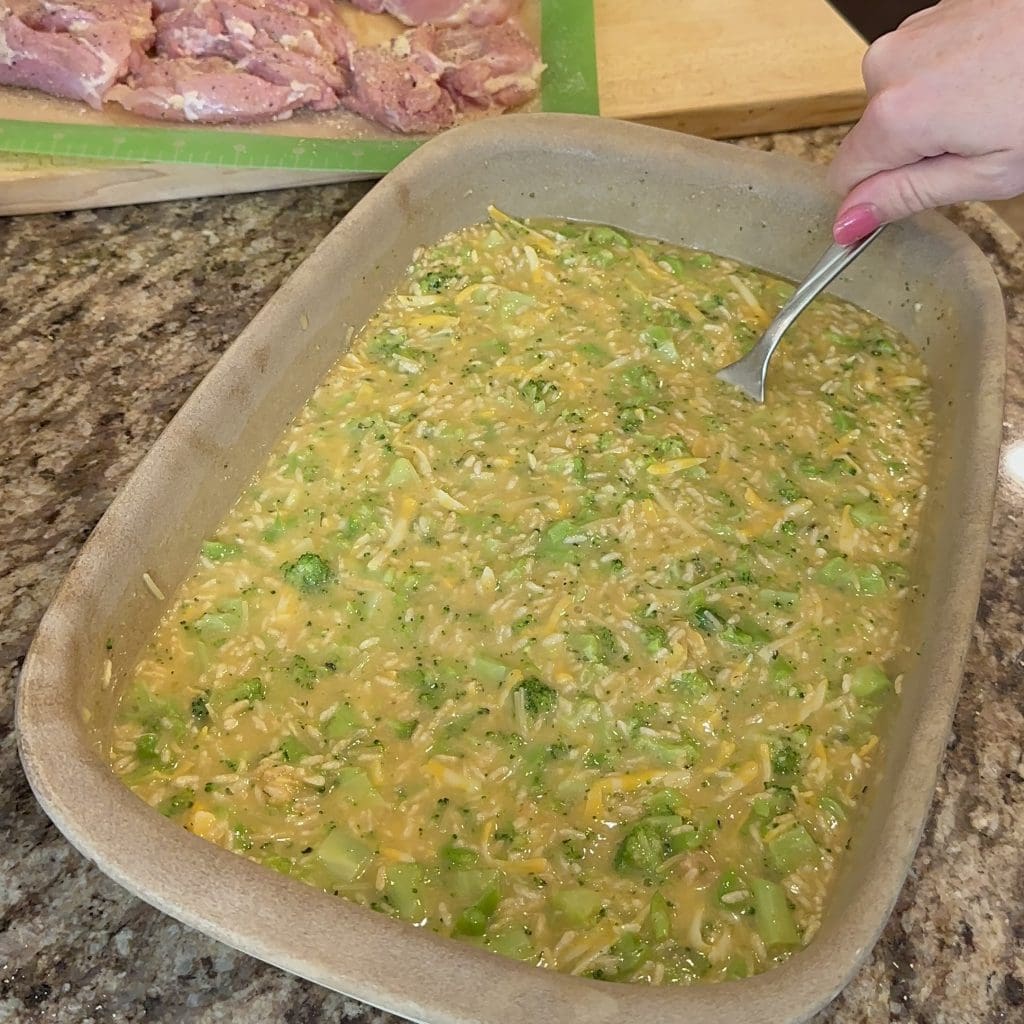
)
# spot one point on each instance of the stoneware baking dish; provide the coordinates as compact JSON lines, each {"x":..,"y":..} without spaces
{"x":926,"y":278}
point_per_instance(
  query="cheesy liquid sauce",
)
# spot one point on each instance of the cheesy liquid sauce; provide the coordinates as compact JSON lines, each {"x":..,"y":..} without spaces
{"x":533,"y":633}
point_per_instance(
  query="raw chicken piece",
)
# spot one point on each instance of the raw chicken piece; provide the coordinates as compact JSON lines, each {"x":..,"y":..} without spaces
{"x":237,"y":27}
{"x":194,"y":29}
{"x":317,"y":36}
{"x":76,"y":15}
{"x":266,"y":39}
{"x":324,"y":82}
{"x":80,"y":65}
{"x":323,"y":8}
{"x":392,"y":87}
{"x":421,"y":80}
{"x":318,"y":8}
{"x":308,"y":8}
{"x":447,"y":12}
{"x":206,"y":89}
{"x":495,"y":66}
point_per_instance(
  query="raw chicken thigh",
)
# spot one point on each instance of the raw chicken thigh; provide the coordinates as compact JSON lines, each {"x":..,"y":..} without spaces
{"x":223,"y":61}
{"x":209,"y":89}
{"x":81,"y":64}
{"x":443,"y":12}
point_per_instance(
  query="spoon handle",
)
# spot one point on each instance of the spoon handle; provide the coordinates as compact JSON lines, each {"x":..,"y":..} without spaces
{"x":836,"y":259}
{"x":749,"y":372}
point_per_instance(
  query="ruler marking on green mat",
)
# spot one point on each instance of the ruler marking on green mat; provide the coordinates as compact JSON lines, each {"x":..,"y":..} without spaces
{"x":569,"y":85}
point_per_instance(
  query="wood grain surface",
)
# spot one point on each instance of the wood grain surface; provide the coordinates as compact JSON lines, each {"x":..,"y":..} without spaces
{"x":717,"y":68}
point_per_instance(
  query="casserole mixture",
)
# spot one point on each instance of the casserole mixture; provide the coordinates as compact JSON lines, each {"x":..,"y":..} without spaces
{"x":532,"y":632}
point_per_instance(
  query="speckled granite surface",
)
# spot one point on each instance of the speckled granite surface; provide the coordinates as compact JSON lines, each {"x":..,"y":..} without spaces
{"x":107,"y":322}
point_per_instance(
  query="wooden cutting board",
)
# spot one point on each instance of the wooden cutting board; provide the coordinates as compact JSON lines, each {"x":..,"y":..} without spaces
{"x":718,"y":68}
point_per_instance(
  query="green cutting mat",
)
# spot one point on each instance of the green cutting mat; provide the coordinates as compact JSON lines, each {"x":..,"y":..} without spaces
{"x":569,"y":85}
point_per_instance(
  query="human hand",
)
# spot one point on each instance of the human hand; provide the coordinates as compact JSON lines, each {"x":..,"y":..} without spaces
{"x":945,"y":116}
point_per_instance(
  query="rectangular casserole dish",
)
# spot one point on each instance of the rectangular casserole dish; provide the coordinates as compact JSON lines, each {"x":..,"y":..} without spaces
{"x":925,"y":278}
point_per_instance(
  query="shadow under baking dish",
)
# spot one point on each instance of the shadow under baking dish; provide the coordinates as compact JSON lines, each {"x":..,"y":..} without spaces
{"x":925,"y":278}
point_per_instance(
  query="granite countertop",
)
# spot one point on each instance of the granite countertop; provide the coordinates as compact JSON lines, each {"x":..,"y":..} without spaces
{"x":108,"y":320}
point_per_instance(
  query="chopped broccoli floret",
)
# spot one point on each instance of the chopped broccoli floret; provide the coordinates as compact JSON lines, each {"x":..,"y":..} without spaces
{"x":308,"y":573}
{"x":692,"y":685}
{"x":706,"y":620}
{"x":539,"y":390}
{"x":538,"y":697}
{"x":438,"y":280}
{"x":597,"y":644}
{"x":249,"y":689}
{"x":655,"y":639}
{"x":292,"y":750}
{"x":643,"y":849}
{"x":429,"y":686}
{"x":177,"y":803}
{"x":640,"y":378}
{"x":302,"y":673}
{"x":786,"y":761}
{"x":218,"y":551}
{"x":200,"y":712}
{"x":146,"y":749}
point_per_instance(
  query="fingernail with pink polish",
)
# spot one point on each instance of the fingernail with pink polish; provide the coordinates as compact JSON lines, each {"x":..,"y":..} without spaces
{"x":856,"y":223}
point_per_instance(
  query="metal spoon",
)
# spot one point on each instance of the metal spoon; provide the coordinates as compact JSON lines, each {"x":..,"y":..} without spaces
{"x":748,"y":373}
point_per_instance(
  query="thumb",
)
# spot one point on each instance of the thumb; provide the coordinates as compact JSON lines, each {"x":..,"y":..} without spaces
{"x":936,"y":181}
